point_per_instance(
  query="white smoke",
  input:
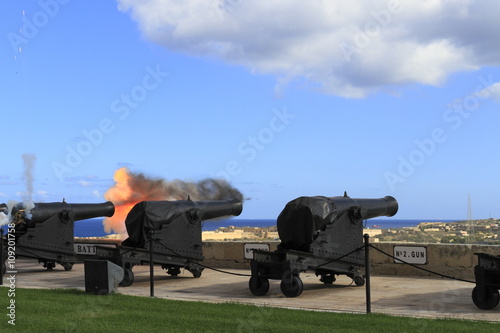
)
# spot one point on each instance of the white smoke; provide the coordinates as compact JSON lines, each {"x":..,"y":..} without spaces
{"x":29,"y":165}
{"x":5,"y":216}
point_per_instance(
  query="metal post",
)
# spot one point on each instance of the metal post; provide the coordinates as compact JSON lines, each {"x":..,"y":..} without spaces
{"x":367,"y":273}
{"x":1,"y":257}
{"x":151,"y":265}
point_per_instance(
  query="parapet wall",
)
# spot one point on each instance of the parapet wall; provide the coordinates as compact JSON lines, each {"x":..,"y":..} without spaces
{"x":457,"y":260}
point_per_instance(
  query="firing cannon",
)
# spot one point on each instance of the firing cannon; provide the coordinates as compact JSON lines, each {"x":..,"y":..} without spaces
{"x":3,"y":253}
{"x":46,"y":231}
{"x":324,"y":234}
{"x":176,"y":230}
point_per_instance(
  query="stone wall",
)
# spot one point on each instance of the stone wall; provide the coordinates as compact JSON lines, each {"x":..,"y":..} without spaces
{"x":457,"y":260}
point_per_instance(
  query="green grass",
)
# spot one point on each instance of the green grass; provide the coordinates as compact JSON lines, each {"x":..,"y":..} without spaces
{"x":71,"y":310}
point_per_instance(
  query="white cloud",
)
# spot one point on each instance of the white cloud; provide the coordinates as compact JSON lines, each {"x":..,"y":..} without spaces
{"x":84,"y":183}
{"x":96,"y":194}
{"x":42,"y":194}
{"x":345,"y":48}
{"x":492,"y":91}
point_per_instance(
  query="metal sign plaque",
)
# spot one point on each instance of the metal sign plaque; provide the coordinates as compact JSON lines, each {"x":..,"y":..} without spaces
{"x":249,"y":247}
{"x":410,"y":254}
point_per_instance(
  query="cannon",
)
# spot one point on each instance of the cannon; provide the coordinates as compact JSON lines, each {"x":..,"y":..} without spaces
{"x":175,"y":229}
{"x":3,"y":253}
{"x":46,"y":230}
{"x":485,"y":294}
{"x":319,"y":233}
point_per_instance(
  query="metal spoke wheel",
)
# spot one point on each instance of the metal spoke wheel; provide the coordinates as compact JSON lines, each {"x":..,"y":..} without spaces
{"x":486,"y":300}
{"x":49,"y":265}
{"x":291,"y":285}
{"x":258,"y":285}
{"x":67,"y":265}
{"x":174,"y":271}
{"x":128,"y":278}
{"x":196,"y":272}
{"x":359,"y":281}
{"x":328,"y":278}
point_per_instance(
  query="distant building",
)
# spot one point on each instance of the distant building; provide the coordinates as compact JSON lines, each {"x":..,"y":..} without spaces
{"x":372,"y":232}
{"x":431,"y":229}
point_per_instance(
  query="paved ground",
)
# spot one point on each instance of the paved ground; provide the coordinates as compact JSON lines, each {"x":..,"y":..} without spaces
{"x":390,"y":295}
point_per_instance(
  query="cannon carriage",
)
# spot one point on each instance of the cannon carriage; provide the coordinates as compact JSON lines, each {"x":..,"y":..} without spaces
{"x":173,"y":229}
{"x":324,"y":234}
{"x":46,"y":230}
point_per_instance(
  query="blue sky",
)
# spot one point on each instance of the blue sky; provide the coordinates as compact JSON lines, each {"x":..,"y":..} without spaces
{"x":283,"y":100}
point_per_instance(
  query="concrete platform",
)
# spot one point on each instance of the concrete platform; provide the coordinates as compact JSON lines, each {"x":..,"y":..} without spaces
{"x":417,"y":297}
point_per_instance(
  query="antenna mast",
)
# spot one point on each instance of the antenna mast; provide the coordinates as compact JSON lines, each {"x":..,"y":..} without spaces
{"x":470,"y":221}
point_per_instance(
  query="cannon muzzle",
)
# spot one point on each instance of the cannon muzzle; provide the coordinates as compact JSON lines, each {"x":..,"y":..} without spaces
{"x":3,"y":208}
{"x":74,"y":212}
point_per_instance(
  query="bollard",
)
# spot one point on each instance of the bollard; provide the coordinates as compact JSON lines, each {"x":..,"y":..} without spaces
{"x":1,"y":257}
{"x":151,"y":265}
{"x":367,"y":273}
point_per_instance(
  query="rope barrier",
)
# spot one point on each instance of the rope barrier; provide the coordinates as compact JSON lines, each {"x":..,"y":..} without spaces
{"x":339,"y":258}
{"x":197,"y":263}
{"x":249,"y":275}
{"x":421,"y":268}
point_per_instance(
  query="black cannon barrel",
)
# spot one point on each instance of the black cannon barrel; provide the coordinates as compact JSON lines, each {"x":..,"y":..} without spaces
{"x":367,"y":208}
{"x":75,"y":212}
{"x":3,"y":208}
{"x":215,"y":209}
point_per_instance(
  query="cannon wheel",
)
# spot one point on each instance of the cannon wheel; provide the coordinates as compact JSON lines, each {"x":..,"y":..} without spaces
{"x":174,"y":271}
{"x":196,"y":272}
{"x":490,"y":299}
{"x":67,"y":265}
{"x":328,"y":278}
{"x":128,"y":278}
{"x":359,"y":281}
{"x":258,"y":285}
{"x":291,"y":285}
{"x":49,"y":265}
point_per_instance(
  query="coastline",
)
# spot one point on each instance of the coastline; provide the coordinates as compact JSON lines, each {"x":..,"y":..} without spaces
{"x":94,"y":227}
{"x":476,"y":231}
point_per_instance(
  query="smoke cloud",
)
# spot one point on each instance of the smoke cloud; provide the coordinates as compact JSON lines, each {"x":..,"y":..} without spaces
{"x":29,"y":165}
{"x":131,"y":188}
{"x":4,"y":217}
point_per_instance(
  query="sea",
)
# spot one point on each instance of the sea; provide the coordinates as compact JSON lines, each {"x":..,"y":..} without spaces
{"x":94,"y":227}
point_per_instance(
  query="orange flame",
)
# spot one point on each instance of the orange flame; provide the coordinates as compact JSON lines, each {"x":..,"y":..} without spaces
{"x":120,"y":195}
{"x":132,"y":188}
